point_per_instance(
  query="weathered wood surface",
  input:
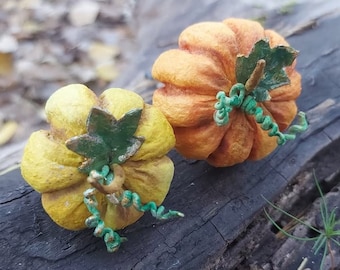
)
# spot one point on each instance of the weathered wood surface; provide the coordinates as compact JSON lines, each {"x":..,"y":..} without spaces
{"x":262,"y":247}
{"x":219,"y":203}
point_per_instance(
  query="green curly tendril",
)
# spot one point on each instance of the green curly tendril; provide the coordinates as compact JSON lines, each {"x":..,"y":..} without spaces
{"x":126,"y":199}
{"x":111,"y":238}
{"x":131,"y":198}
{"x":248,"y":104}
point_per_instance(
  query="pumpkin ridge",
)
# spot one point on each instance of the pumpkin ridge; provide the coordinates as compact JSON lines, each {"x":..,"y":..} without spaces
{"x":197,"y":40}
{"x":66,"y":207}
{"x":71,"y":122}
{"x":154,"y":171}
{"x":179,"y":67}
{"x":189,"y":139}
{"x":179,"y":106}
{"x":263,"y":144}
{"x":154,"y":122}
{"x":283,"y":120}
{"x":217,"y":57}
{"x":246,"y":32}
{"x":236,"y":143}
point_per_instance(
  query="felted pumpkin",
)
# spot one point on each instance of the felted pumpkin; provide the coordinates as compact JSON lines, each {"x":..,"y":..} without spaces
{"x":60,"y":174}
{"x":206,"y":63}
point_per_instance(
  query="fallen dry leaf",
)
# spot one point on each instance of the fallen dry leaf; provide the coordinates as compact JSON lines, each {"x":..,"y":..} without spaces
{"x":101,"y":53}
{"x":8,"y":45}
{"x":83,"y":13}
{"x":43,"y":72}
{"x":6,"y":63}
{"x":107,"y":71}
{"x":7,"y":131}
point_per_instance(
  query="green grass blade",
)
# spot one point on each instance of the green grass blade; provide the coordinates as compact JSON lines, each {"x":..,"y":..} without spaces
{"x":335,"y":241}
{"x":323,"y":257}
{"x":323,"y":205}
{"x":291,"y":216}
{"x":321,"y":242}
{"x":285,"y":232}
{"x":337,"y":223}
{"x":330,"y":224}
{"x":332,"y":218}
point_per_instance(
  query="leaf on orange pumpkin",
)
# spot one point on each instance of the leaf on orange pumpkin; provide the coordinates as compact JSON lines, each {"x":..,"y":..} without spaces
{"x":274,"y":74}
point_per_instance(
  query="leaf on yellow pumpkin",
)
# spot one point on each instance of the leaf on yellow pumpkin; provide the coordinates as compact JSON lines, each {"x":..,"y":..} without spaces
{"x":107,"y":140}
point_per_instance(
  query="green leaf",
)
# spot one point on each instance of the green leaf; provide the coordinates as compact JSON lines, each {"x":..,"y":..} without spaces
{"x":107,"y":140}
{"x":274,"y":74}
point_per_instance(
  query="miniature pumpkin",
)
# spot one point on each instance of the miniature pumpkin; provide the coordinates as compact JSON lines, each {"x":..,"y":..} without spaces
{"x":52,"y":169}
{"x":205,"y":64}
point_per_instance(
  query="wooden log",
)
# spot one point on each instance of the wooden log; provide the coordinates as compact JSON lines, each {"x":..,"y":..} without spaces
{"x":219,"y":203}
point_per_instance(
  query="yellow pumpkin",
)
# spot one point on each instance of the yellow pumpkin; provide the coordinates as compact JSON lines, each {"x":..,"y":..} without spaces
{"x":53,"y":170}
{"x":203,"y":65}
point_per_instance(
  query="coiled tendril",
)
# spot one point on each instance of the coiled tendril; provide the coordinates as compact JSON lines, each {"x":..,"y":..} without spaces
{"x":248,"y":104}
{"x":105,"y":178}
{"x":129,"y":198}
{"x":111,"y":238}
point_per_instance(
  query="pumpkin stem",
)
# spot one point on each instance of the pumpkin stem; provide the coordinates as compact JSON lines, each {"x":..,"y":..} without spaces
{"x":110,"y":183}
{"x":256,"y":76}
{"x":109,"y":186}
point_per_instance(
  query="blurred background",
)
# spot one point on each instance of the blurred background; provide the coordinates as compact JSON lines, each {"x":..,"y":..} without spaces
{"x":47,"y":44}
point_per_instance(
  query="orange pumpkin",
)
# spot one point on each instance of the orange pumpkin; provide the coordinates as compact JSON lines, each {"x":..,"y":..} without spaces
{"x":205,"y":64}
